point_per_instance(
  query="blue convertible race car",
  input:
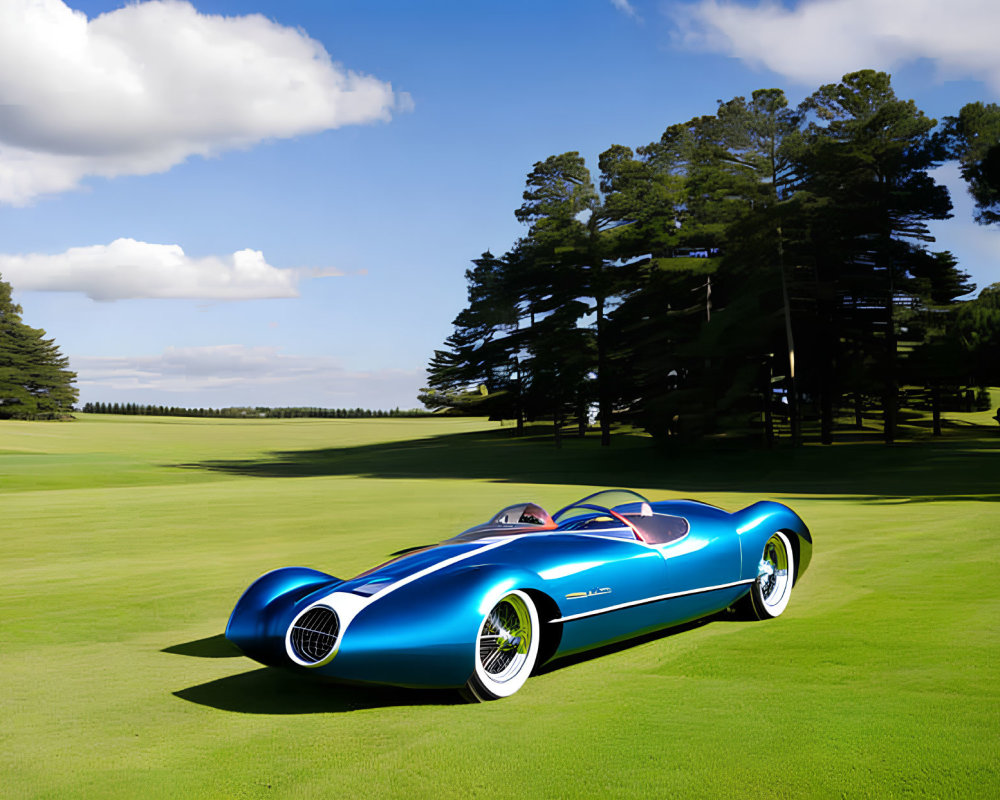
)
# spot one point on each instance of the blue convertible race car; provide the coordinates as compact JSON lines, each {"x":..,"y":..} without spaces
{"x":481,"y":610}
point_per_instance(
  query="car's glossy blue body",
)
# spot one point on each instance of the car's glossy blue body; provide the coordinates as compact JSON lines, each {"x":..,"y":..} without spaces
{"x":414,"y":620}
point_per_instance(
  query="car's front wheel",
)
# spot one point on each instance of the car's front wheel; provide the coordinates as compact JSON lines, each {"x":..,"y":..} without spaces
{"x":771,"y":590}
{"x":506,"y":648}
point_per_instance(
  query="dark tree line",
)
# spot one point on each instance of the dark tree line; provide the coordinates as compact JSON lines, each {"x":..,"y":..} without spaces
{"x":35,"y":380}
{"x":752,"y":269}
{"x":246,"y":412}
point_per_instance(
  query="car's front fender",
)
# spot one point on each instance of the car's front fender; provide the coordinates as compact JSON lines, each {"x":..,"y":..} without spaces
{"x":423,"y":634}
{"x":259,"y":620}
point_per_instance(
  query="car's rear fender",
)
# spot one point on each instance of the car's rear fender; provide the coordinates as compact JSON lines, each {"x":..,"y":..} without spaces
{"x":757,"y":523}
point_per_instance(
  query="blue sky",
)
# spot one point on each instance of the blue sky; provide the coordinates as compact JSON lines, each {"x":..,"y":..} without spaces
{"x":356,"y":155}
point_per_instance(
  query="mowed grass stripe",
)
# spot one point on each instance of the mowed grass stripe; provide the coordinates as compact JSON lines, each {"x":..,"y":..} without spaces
{"x":880,"y":679}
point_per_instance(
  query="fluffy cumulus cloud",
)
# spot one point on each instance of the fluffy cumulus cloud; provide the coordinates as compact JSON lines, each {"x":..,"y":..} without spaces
{"x":226,"y":375}
{"x":128,"y":269}
{"x":817,"y":41}
{"x":140,"y":89}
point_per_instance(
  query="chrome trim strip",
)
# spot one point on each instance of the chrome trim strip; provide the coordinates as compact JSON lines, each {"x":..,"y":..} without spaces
{"x":442,"y":564}
{"x":648,"y":600}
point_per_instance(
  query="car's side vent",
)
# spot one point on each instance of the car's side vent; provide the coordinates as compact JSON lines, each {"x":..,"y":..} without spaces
{"x":314,"y":634}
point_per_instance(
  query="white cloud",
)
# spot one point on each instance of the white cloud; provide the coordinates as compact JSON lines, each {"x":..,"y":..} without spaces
{"x":626,"y":8}
{"x":140,"y":89}
{"x":821,"y":40}
{"x":127,"y":269}
{"x":225,"y":375}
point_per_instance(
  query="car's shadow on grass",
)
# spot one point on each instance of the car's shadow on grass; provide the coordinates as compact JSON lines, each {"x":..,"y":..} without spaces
{"x":217,"y":646}
{"x":269,"y":690}
{"x":557,"y":664}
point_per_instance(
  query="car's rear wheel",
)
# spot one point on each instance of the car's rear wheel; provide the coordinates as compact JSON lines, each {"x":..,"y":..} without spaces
{"x":771,"y":590}
{"x":506,"y":648}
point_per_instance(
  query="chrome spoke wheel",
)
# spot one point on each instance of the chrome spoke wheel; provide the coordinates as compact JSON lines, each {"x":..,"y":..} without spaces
{"x":775,"y":573}
{"x":504,"y":638}
{"x":506,"y":648}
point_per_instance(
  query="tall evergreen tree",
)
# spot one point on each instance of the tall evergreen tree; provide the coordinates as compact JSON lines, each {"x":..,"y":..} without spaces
{"x":868,"y":158}
{"x":977,"y":328}
{"x":477,"y":372}
{"x":754,"y":147}
{"x":35,"y":382}
{"x":576,"y":257}
{"x":718,"y":171}
{"x":671,"y":210}
{"x":974,"y":139}
{"x":938,"y":359}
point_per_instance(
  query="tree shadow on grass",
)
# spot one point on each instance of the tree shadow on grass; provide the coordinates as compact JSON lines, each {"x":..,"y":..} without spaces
{"x":965,"y":465}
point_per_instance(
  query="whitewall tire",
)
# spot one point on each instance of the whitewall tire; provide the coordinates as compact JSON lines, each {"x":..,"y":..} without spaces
{"x":506,"y":648}
{"x":772,"y":589}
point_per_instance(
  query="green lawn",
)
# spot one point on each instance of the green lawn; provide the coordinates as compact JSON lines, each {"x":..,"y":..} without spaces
{"x":126,"y":542}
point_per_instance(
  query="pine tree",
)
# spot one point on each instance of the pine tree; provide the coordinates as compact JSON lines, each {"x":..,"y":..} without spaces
{"x":477,"y":371}
{"x":35,"y":382}
{"x":973,"y":138}
{"x":868,"y":157}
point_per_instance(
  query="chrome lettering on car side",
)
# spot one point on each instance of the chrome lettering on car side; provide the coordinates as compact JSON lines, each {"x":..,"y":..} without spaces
{"x":655,"y":599}
{"x":588,"y":593}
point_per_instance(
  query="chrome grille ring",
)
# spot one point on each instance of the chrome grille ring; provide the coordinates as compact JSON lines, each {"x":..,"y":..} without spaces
{"x":314,"y":634}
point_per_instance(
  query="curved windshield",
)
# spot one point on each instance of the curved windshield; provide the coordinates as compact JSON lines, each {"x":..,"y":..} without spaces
{"x":621,"y":513}
{"x":621,"y":500}
{"x":597,"y":519}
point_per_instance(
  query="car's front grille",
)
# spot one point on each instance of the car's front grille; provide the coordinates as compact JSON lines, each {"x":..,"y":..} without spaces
{"x":314,"y":634}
